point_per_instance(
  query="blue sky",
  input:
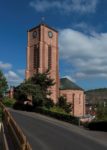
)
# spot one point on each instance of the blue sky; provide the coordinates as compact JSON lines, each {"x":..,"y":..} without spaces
{"x":82,"y":26}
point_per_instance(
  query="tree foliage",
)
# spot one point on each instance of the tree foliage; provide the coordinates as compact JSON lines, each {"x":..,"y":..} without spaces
{"x":62,"y":103}
{"x":18,"y":94}
{"x":101,"y":113}
{"x":3,"y":84}
{"x":38,"y":88}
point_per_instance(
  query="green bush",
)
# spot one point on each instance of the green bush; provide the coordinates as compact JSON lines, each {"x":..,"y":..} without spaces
{"x":58,"y":110}
{"x":98,"y":125}
{"x":62,"y":103}
{"x":49,"y":103}
{"x":18,"y":105}
{"x":101,"y":114}
{"x":8,"y":102}
{"x":59,"y":116}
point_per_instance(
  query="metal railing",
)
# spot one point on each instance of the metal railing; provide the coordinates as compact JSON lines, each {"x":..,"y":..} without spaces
{"x":18,"y":139}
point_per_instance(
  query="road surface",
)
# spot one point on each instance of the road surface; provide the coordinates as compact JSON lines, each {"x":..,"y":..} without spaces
{"x":45,"y":133}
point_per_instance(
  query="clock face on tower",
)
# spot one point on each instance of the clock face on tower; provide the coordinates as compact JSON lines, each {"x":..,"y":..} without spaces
{"x":34,"y":34}
{"x":50,"y":34}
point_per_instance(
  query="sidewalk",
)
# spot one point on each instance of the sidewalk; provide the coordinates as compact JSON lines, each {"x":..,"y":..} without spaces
{"x":1,"y":144}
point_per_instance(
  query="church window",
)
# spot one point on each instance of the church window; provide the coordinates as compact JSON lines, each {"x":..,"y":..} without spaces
{"x":49,"y":57}
{"x":79,"y":98}
{"x":36,"y":56}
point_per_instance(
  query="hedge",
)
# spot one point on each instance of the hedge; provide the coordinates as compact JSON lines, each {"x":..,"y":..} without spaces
{"x":22,"y":106}
{"x":59,"y":116}
{"x":98,"y":125}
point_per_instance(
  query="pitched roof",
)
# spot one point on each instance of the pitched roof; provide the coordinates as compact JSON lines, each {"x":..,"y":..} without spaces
{"x":66,"y":84}
{"x":42,"y":24}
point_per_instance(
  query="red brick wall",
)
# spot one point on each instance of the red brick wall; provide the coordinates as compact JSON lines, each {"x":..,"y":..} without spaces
{"x":76,"y":97}
{"x":44,"y":41}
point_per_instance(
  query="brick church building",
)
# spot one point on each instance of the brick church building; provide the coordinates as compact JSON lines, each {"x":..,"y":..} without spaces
{"x":42,"y":54}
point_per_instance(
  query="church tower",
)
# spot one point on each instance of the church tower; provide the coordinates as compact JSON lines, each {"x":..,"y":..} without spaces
{"x":42,"y":54}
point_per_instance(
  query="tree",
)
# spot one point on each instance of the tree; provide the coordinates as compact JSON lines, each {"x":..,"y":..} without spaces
{"x":62,"y":103}
{"x":3,"y":84}
{"x":44,"y":81}
{"x":38,"y":88}
{"x":101,"y":113}
{"x":49,"y":103}
{"x":18,"y":94}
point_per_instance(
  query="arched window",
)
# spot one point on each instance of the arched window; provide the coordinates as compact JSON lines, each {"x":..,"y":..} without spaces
{"x":36,"y":56}
{"x":79,"y":98}
{"x":49,"y":57}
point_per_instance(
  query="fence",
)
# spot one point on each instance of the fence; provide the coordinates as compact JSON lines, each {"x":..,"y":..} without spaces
{"x":18,"y":139}
{"x":3,"y":141}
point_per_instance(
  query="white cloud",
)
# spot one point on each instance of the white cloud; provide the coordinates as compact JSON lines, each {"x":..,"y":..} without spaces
{"x":82,"y":6}
{"x":13,"y":78}
{"x":84,"y":27}
{"x":87,"y":53}
{"x":81,"y":25}
{"x":5,"y":65}
{"x":21,"y":71}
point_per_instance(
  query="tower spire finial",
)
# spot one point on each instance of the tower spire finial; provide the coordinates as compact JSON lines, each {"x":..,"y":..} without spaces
{"x":42,"y":19}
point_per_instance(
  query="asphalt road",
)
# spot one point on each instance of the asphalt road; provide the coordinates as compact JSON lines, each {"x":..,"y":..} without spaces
{"x":45,"y":133}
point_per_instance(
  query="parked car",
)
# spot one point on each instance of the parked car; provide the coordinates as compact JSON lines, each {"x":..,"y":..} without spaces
{"x":87,"y":118}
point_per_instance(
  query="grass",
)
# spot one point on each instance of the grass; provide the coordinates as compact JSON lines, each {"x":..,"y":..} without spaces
{"x":8,"y":102}
{"x":56,"y":109}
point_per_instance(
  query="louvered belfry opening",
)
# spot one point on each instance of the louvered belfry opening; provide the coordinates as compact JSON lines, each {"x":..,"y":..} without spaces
{"x":36,"y":57}
{"x":49,"y":57}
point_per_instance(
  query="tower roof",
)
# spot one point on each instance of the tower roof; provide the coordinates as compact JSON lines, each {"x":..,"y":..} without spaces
{"x":66,"y":84}
{"x":42,"y":24}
